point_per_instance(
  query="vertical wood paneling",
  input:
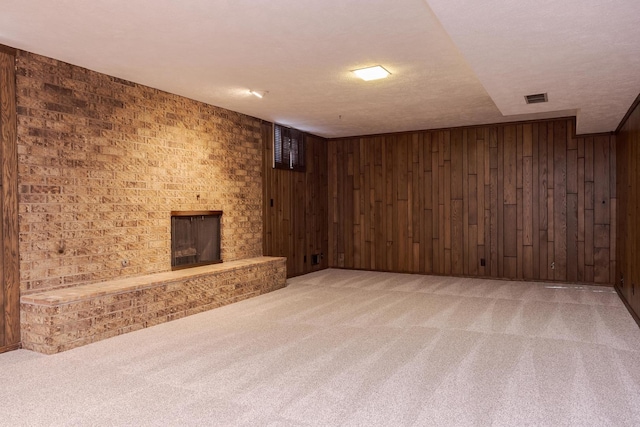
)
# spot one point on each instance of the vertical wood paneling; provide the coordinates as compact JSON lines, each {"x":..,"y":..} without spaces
{"x":527,"y":201}
{"x":466,"y":198}
{"x":572,"y":203}
{"x":492,"y":210}
{"x":560,"y":200}
{"x":514,"y":196}
{"x":9,"y":258}
{"x":551,"y":218}
{"x":296,"y":217}
{"x":535,"y":214}
{"x":602,"y":209}
{"x":626,"y":228}
{"x":6,"y":107}
{"x":613,"y":197}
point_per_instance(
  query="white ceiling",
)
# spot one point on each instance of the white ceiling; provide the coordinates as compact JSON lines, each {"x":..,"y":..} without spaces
{"x":453,"y":62}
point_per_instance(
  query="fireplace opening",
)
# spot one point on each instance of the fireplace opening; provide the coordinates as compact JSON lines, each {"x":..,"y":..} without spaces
{"x":195,"y":238}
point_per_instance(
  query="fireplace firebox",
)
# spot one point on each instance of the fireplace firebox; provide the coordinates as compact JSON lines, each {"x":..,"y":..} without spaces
{"x":195,"y":238}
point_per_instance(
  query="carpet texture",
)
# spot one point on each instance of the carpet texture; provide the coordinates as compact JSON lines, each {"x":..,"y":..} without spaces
{"x":352,"y":348}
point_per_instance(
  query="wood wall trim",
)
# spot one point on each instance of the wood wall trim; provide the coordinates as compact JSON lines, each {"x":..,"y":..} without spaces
{"x":572,"y":118}
{"x":409,"y":132}
{"x":587,"y":135}
{"x":9,"y":204}
{"x":10,"y":348}
{"x":630,"y":309}
{"x":8,"y":50}
{"x":196,"y":213}
{"x":630,"y":111}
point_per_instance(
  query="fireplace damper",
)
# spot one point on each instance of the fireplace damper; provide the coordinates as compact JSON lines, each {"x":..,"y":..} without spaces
{"x":195,"y":238}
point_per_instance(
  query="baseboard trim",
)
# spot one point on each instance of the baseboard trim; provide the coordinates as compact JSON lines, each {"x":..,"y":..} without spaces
{"x":626,"y":304}
{"x":9,"y":348}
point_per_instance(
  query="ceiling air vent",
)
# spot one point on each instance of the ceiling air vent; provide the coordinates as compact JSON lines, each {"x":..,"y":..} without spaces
{"x":536,"y":99}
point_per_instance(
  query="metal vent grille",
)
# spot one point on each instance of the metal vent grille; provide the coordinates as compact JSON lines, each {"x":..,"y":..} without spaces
{"x":536,"y":99}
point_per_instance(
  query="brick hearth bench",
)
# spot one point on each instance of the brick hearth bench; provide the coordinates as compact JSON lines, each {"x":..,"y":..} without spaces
{"x":63,"y":319}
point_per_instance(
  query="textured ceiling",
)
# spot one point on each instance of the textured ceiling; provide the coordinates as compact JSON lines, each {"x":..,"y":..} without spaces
{"x":467,"y":63}
{"x":585,"y":54}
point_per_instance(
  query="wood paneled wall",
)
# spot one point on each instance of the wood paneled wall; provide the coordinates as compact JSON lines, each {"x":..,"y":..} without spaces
{"x":295,"y":207}
{"x":9,"y":259}
{"x":628,"y":236}
{"x":519,"y":201}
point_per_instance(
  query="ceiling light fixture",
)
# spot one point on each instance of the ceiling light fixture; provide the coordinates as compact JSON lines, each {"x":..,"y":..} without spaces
{"x":371,"y":73}
{"x":258,"y":93}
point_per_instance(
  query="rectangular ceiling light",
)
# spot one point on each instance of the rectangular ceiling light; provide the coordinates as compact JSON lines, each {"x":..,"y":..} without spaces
{"x":371,"y":73}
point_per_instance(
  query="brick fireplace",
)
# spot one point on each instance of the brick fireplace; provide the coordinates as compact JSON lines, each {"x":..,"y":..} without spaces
{"x":102,"y":164}
{"x":195,"y":238}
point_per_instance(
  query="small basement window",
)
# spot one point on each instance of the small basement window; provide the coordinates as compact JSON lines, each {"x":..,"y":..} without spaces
{"x":288,"y":148}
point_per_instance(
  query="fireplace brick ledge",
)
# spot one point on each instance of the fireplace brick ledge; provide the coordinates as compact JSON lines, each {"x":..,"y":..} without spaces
{"x":59,"y":320}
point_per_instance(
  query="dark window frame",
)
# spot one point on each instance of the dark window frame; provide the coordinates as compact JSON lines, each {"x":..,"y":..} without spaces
{"x":288,"y":148}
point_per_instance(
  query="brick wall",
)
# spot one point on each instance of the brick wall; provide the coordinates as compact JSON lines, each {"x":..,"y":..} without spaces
{"x":103,"y":161}
{"x":62,"y":319}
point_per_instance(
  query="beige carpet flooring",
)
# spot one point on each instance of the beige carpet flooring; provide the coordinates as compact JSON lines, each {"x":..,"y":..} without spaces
{"x":352,"y":348}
